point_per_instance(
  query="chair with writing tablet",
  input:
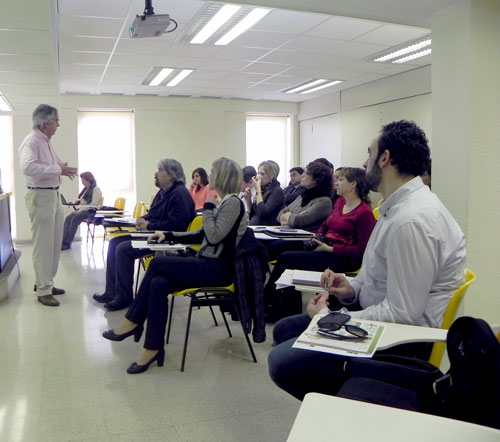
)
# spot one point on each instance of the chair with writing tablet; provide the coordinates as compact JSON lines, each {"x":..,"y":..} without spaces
{"x":90,"y":221}
{"x":194,"y":225}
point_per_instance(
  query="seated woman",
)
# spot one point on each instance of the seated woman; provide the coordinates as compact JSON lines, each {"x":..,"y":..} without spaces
{"x":199,"y":188}
{"x":223,"y":227}
{"x":339,"y":243}
{"x":88,"y":199}
{"x":269,"y":195}
{"x":308,"y":210}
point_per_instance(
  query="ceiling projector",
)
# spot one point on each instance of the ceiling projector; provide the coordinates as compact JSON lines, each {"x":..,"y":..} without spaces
{"x":149,"y":25}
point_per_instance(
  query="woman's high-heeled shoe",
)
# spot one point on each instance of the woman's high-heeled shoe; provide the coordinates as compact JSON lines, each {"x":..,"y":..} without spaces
{"x":159,"y":357}
{"x":112,"y":336}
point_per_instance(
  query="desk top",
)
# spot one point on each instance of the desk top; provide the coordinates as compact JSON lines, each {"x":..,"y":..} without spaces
{"x":323,"y":418}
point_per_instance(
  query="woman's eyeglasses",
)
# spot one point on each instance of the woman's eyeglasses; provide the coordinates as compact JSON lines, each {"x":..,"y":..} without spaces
{"x":354,"y":331}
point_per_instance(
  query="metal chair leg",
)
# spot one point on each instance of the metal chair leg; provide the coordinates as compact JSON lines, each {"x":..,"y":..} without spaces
{"x":212,"y":311}
{"x":187,"y":335}
{"x":170,"y":313}
{"x":249,"y":344}
{"x":225,"y":321}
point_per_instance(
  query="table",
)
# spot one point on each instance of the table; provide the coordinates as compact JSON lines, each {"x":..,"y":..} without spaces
{"x":323,"y":418}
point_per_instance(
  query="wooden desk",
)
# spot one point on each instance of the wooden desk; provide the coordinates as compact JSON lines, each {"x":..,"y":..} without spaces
{"x":323,"y":418}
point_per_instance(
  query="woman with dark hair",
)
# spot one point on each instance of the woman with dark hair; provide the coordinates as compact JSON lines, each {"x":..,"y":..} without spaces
{"x":88,"y":200}
{"x":339,"y":243}
{"x":199,"y":188}
{"x":269,"y":195}
{"x":308,"y":210}
{"x":224,"y":225}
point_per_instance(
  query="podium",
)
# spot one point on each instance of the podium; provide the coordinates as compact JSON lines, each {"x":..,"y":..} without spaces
{"x":9,"y":271}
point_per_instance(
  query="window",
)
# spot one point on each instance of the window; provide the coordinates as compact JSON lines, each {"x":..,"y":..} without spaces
{"x":106,"y":148}
{"x":269,"y":138}
{"x":7,"y":165}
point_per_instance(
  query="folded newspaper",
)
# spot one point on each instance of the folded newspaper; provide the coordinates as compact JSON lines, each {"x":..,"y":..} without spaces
{"x":361,"y":348}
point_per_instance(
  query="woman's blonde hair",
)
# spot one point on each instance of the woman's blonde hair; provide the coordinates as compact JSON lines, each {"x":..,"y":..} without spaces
{"x":226,"y":176}
{"x":271,"y":168}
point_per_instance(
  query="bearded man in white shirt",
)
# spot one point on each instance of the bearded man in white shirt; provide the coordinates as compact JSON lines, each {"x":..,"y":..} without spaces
{"x":42,"y":170}
{"x":413,"y":263}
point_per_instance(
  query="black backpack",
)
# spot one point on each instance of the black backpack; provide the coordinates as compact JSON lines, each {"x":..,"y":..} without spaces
{"x":469,"y":391}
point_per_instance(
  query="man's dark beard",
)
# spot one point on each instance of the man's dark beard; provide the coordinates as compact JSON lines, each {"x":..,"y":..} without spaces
{"x":374,"y":177}
{"x":157,"y":183}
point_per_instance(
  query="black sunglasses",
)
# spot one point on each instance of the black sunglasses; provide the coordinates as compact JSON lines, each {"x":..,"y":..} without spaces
{"x":329,"y":331}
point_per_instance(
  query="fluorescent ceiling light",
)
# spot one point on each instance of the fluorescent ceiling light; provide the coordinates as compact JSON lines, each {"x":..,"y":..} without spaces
{"x":412,"y":48}
{"x":413,"y":56}
{"x":4,"y":105}
{"x":305,"y":86}
{"x":332,"y":83}
{"x":179,"y":77}
{"x":222,"y":16}
{"x":160,"y":76}
{"x":243,"y":25}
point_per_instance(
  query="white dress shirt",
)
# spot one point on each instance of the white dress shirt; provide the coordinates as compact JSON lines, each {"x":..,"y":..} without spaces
{"x":414,"y":260}
{"x":39,"y":162}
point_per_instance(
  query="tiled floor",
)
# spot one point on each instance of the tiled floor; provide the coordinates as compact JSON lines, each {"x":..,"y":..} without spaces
{"x":61,"y":381}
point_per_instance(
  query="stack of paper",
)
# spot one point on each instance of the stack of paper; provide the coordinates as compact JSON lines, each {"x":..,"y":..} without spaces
{"x":307,"y":278}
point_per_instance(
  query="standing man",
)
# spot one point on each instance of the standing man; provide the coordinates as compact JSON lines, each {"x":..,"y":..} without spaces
{"x":412,"y":265}
{"x":172,"y":210}
{"x":42,"y":170}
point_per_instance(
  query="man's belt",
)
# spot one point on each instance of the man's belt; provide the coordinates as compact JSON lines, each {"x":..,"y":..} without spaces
{"x":45,"y":188}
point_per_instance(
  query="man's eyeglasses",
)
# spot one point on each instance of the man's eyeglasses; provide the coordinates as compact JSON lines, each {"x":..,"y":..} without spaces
{"x":354,"y":331}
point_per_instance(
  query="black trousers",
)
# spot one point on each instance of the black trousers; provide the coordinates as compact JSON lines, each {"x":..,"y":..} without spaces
{"x":304,"y":260}
{"x":168,"y":274}
{"x":120,"y":268}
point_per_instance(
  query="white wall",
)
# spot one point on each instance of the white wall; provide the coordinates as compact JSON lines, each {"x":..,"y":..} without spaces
{"x":193,"y":131}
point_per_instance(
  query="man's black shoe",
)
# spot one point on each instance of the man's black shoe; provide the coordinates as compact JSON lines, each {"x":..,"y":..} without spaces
{"x":117,"y":305}
{"x":102,"y":298}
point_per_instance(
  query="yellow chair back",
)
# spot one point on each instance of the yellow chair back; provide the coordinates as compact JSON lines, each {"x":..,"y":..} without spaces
{"x":449,"y":317}
{"x":376,"y":210}
{"x":137,"y":213}
{"x":120,"y":203}
{"x":144,"y":210}
{"x":194,"y":225}
{"x":101,"y":201}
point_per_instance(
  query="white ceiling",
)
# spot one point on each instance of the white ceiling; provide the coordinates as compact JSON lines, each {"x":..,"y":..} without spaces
{"x":91,"y":52}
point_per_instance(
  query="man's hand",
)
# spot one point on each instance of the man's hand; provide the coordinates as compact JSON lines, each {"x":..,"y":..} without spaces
{"x":157,"y":235}
{"x":337,"y":285}
{"x":317,"y":303}
{"x":141,"y":224}
{"x":70,"y":172}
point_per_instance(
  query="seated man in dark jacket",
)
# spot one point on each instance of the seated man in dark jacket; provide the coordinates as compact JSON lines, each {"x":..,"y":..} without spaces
{"x":294,"y":189}
{"x":172,"y":209}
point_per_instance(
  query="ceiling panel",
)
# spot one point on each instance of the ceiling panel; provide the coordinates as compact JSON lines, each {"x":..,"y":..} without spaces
{"x":279,"y":20}
{"x":90,"y":27}
{"x":357,"y":49}
{"x":262,"y":39}
{"x":91,"y":44}
{"x":392,"y":35}
{"x":267,"y":68}
{"x":342,"y":28}
{"x":314,"y":45}
{"x":25,"y":42}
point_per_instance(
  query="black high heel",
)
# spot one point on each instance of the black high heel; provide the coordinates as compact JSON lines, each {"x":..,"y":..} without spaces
{"x":112,"y":336}
{"x":159,"y":357}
